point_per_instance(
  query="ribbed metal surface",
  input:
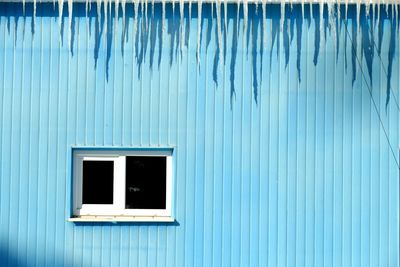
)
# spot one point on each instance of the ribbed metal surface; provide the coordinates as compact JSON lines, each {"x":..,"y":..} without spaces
{"x":304,"y":176}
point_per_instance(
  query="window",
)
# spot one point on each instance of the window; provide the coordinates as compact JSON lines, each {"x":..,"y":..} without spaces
{"x":122,"y":185}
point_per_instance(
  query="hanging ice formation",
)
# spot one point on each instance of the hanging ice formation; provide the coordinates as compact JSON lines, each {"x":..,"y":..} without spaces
{"x":284,"y":23}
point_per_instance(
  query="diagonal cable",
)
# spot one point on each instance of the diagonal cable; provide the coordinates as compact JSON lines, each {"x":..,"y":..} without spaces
{"x":383,"y":67}
{"x":372,"y":99}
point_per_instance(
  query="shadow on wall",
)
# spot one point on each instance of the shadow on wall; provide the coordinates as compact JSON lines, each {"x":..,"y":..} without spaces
{"x":9,"y":258}
{"x":151,"y":23}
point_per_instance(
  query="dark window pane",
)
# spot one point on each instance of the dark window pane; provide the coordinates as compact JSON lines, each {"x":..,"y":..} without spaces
{"x":146,"y":182}
{"x":98,"y":181}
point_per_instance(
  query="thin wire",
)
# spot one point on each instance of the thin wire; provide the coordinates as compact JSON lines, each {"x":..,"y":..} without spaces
{"x":372,"y":99}
{"x":384,"y":69}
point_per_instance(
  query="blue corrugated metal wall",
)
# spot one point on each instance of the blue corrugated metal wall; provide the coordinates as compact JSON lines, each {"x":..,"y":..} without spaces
{"x":271,"y":170}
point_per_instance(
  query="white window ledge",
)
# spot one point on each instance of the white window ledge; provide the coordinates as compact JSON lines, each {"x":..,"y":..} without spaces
{"x":115,"y":219}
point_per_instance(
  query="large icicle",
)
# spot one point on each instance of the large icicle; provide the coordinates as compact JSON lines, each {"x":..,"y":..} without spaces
{"x":163,"y":14}
{"x":136,"y":16}
{"x":116,"y":9}
{"x":70,"y":6}
{"x":331,"y":18}
{"x":123,"y":5}
{"x":60,"y":13}
{"x":282,"y":20}
{"x":321,"y":22}
{"x":226,"y":16}
{"x":190,"y":10}
{"x":367,"y":7}
{"x":245,"y":13}
{"x":181,"y":22}
{"x":358,"y":8}
{"x":199,"y":7}
{"x":219,"y":32}
{"x":34,"y":13}
{"x":264,"y":18}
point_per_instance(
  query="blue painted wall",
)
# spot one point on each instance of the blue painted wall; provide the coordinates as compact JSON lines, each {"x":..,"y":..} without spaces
{"x":286,"y":146}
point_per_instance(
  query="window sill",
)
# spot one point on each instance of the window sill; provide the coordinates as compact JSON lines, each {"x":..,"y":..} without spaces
{"x":116,"y":219}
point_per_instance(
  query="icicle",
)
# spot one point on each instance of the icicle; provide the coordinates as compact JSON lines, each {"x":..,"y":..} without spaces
{"x":387,"y":6}
{"x":123,"y":5}
{"x":245,"y":13}
{"x":367,"y":8}
{"x":146,"y":14}
{"x":219,"y":32}
{"x":86,"y":7}
{"x":98,"y":12}
{"x":346,"y":6}
{"x":163,"y":14}
{"x":379,"y":12}
{"x":264,"y":18}
{"x":190,"y":10}
{"x":339,"y":15}
{"x":282,"y":15}
{"x":135,"y":21}
{"x":392,"y":11}
{"x":199,"y":7}
{"x":321,"y":21}
{"x":136,"y":16}
{"x":302,"y":9}
{"x":105,"y":3}
{"x":116,"y":8}
{"x":226,"y":15}
{"x":181,"y":22}
{"x":23,"y":7}
{"x":331,"y":18}
{"x":34,"y":13}
{"x":70,"y":6}
{"x":60,"y":13}
{"x":358,"y":7}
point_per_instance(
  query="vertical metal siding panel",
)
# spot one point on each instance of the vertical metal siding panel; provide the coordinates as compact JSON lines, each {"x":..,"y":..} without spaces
{"x":14,"y":149}
{"x":302,"y":124}
{"x":375,"y":167}
{"x":320,"y":156}
{"x":347,"y":163}
{"x":200,"y":124}
{"x":365,"y":172}
{"x":3,"y":216}
{"x":52,"y":145}
{"x":328,"y":149}
{"x":245,"y":147}
{"x":205,"y":87}
{"x":310,"y":155}
{"x":264,"y":162}
{"x":338,"y":149}
{"x":236,"y":199}
{"x":292,"y":111}
{"x":216,"y":169}
{"x":282,"y":172}
{"x":227,"y":160}
{"x":274,"y":138}
{"x":384,"y":165}
{"x":6,"y":144}
{"x":25,"y":54}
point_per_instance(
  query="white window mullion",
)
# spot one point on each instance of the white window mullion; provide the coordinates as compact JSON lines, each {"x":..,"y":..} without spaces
{"x":119,"y":184}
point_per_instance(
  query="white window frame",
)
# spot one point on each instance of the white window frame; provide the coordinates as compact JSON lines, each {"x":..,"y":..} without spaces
{"x":117,"y":211}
